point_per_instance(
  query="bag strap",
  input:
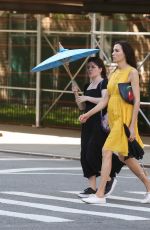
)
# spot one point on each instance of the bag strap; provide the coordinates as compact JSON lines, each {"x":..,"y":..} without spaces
{"x":100,"y":87}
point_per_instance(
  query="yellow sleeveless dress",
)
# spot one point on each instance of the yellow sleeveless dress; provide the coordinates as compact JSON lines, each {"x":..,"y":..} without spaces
{"x":119,"y":112}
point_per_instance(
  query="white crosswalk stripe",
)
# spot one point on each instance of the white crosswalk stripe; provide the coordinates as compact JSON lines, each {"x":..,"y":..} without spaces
{"x":3,"y":171}
{"x":80,"y":211}
{"x":113,"y":197}
{"x":41,"y":218}
{"x":70,"y":210}
{"x":73,"y":200}
{"x":30,"y":159}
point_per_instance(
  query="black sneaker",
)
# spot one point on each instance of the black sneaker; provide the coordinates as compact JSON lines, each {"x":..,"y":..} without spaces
{"x":86,"y":192}
{"x":110,"y":186}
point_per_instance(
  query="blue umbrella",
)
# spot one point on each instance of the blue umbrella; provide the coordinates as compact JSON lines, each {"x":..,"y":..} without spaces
{"x":62,"y":57}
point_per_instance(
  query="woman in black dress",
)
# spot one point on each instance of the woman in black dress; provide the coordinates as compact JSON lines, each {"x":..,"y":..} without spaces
{"x":92,"y":135}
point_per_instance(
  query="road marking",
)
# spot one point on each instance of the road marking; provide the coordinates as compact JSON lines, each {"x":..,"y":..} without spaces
{"x":31,"y":159}
{"x":127,"y":177}
{"x":72,"y":192}
{"x":3,"y":171}
{"x":124,"y":198}
{"x":71,"y":210}
{"x":111,"y":197}
{"x":41,"y":218}
{"x":67,"y":174}
{"x":33,"y":195}
{"x":136,"y":192}
{"x":124,"y":168}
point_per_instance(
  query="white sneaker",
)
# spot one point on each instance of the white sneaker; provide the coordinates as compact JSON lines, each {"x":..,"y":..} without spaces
{"x":146,"y":200}
{"x":93,"y":199}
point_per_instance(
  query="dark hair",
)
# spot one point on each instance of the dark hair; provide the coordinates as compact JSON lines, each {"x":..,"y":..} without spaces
{"x":99,"y":62}
{"x":129,"y":53}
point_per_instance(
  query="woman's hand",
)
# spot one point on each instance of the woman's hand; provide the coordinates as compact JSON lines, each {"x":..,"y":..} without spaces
{"x":75,"y":87}
{"x":82,"y":99}
{"x":83,"y":118}
{"x":132,"y":133}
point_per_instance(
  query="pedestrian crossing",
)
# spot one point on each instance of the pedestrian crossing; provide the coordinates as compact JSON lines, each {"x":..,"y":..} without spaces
{"x":42,"y":218}
{"x":32,"y":203}
{"x":62,"y":206}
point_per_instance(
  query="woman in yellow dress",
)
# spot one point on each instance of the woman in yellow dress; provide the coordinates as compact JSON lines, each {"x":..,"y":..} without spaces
{"x":119,"y":112}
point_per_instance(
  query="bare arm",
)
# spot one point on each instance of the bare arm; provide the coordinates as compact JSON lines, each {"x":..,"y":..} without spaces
{"x":75,"y":90}
{"x":101,"y":105}
{"x":80,"y":103}
{"x":134,"y":78}
{"x":80,"y":100}
{"x":94,"y":100}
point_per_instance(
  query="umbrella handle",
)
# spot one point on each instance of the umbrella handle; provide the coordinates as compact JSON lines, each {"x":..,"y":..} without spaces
{"x":72,"y":79}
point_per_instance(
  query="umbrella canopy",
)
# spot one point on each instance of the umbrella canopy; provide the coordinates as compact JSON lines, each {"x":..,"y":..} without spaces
{"x":135,"y":150}
{"x":62,"y":57}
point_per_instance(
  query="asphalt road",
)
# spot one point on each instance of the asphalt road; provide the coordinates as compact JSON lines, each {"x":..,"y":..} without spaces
{"x":40,"y":194}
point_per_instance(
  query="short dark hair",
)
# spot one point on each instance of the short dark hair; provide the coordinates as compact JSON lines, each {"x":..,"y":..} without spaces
{"x":99,"y":62}
{"x":129,"y":52}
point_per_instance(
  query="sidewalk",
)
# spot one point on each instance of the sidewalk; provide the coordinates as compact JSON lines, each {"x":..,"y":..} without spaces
{"x":50,"y":142}
{"x":40,"y":141}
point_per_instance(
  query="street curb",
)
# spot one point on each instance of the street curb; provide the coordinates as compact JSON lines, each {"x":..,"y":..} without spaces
{"x":54,"y":156}
{"x":40,"y":154}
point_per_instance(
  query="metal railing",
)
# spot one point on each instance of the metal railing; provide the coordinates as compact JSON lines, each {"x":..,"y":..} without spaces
{"x":40,"y":116}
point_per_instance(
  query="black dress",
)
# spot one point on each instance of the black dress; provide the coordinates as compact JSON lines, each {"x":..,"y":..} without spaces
{"x":93,"y":138}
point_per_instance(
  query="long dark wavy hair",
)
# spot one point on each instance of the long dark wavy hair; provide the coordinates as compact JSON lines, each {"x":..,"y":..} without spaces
{"x":99,"y":62}
{"x":129,"y":53}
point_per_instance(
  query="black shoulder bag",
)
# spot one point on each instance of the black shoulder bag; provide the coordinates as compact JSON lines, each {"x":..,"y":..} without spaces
{"x":125,"y":90}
